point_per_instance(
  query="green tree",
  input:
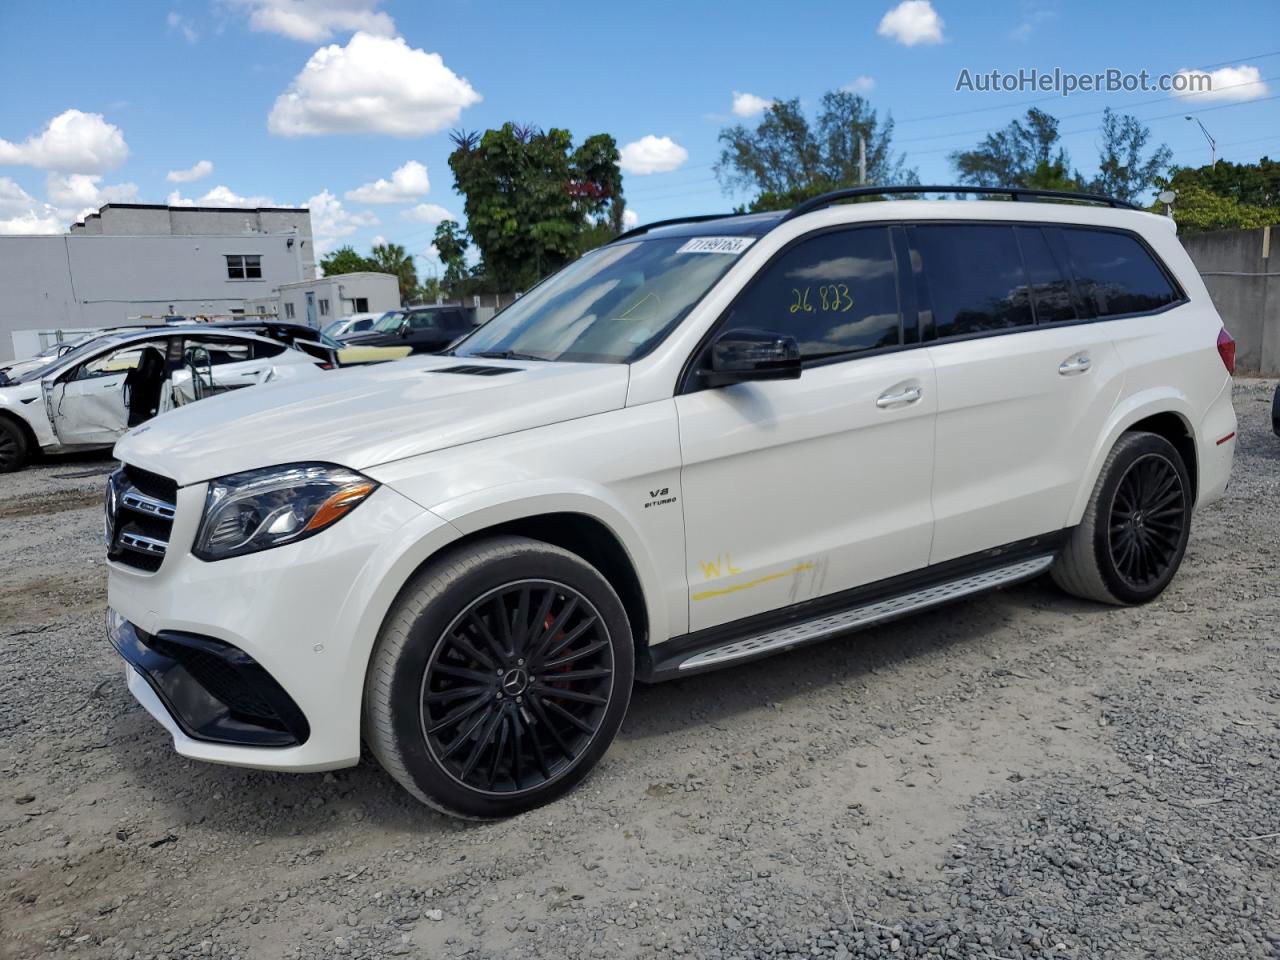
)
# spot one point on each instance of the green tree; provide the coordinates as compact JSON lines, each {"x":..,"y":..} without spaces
{"x":451,"y":243}
{"x":1123,"y":171}
{"x":1026,"y":153}
{"x":392,"y":258}
{"x":529,"y":196}
{"x":786,"y":158}
{"x":345,"y":260}
{"x":1197,"y":209}
{"x":1251,"y":184}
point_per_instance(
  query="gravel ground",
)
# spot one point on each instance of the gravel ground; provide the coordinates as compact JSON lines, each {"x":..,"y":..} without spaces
{"x":1018,"y":775}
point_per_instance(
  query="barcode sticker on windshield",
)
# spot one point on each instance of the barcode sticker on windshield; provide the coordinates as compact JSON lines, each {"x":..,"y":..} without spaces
{"x":732,"y":245}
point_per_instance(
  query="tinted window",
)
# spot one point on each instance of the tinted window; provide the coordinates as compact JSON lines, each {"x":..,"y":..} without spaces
{"x":974,"y":277}
{"x":215,"y":352}
{"x":424,"y":320}
{"x":835,"y":293}
{"x":262,"y":351}
{"x":1115,"y":274}
{"x":1050,"y":289}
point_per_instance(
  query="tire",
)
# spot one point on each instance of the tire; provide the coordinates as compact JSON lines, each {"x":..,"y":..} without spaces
{"x":479,"y":717}
{"x":1275,"y":413}
{"x":13,"y":446}
{"x":1132,"y":537}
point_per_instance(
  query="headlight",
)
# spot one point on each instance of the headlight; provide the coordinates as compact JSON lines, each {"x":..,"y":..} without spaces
{"x":261,"y":509}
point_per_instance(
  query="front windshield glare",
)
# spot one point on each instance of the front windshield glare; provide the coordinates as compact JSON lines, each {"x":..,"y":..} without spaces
{"x":611,"y":306}
{"x":389,"y":322}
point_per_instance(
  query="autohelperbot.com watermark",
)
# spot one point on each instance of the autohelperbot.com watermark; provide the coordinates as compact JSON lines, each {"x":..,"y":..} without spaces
{"x":1066,"y":82}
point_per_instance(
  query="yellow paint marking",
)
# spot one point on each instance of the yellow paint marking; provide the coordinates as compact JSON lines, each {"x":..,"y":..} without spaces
{"x":711,"y":568}
{"x":768,"y":578}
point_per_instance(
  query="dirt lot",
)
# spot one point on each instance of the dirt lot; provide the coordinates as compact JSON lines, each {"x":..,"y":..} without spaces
{"x":1018,"y":775}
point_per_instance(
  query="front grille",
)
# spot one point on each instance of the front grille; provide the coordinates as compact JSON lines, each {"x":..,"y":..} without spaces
{"x":140,"y":509}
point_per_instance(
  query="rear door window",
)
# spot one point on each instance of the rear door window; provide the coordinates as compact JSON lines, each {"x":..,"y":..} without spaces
{"x":1051,"y":292}
{"x":1115,"y":273}
{"x":974,"y":278}
{"x":835,"y":293}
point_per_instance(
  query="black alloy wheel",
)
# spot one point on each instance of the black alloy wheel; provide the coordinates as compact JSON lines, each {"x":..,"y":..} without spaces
{"x":1147,"y":523}
{"x":517,"y":687}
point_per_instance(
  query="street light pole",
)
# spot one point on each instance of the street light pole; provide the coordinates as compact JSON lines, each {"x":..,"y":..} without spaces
{"x":1213,"y":144}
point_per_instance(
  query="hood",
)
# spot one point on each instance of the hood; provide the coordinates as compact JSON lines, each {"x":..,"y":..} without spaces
{"x":365,"y":416}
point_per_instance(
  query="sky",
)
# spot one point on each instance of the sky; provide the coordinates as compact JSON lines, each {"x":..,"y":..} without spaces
{"x":346,"y":106}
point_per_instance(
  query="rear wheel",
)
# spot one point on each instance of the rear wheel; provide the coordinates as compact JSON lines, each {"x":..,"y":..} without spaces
{"x":500,"y":678}
{"x":13,"y":446}
{"x":1134,"y":532}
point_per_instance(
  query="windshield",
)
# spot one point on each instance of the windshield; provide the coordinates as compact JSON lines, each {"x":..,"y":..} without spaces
{"x":333,"y":328}
{"x":71,"y":356}
{"x":612,"y":306}
{"x":389,"y":322}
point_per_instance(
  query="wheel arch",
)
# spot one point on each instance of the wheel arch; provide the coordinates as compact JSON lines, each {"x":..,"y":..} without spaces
{"x":1165,"y":413}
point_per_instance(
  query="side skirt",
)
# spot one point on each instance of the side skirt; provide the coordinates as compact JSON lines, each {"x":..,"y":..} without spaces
{"x":813,"y":620}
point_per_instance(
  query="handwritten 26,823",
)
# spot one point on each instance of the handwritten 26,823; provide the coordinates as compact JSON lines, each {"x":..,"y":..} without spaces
{"x":831,"y":298}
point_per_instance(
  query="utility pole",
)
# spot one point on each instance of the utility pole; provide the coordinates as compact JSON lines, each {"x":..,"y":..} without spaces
{"x":862,"y":160}
{"x":1213,"y":144}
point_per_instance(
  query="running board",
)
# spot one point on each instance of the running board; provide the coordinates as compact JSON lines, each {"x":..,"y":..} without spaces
{"x":795,"y":634}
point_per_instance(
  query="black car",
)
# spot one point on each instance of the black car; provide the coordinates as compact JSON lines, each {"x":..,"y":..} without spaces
{"x":423,"y":329}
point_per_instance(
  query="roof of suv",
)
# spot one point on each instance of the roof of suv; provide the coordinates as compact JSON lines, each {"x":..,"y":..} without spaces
{"x":758,"y":224}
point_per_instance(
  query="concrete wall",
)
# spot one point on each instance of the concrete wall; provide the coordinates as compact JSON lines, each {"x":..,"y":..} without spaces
{"x":82,"y":280}
{"x":154,"y":220}
{"x":1241,"y":269}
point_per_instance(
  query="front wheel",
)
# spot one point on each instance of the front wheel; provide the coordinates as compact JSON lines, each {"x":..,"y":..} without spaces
{"x":13,"y":446}
{"x":1134,"y":532}
{"x":499,"y":679}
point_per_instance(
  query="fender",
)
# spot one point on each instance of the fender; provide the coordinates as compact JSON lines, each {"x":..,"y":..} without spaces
{"x":1165,"y":399}
{"x":486,"y":508}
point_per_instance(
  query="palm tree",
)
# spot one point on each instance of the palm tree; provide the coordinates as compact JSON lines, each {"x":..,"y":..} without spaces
{"x":392,"y":258}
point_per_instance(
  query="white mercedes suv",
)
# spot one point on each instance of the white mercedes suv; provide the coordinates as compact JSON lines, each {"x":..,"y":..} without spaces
{"x":709,"y":441}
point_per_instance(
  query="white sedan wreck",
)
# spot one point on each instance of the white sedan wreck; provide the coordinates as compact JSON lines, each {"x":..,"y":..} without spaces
{"x":91,"y":395}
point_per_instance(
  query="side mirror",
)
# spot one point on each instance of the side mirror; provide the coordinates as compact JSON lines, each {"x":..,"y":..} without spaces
{"x":739,"y":356}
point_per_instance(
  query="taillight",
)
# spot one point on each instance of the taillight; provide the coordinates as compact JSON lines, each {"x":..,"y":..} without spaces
{"x":1227,"y":350}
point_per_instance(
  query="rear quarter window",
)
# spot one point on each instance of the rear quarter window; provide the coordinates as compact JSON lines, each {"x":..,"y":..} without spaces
{"x":1116,"y":274}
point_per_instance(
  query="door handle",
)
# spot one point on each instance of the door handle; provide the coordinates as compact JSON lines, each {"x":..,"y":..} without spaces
{"x":909,"y":395}
{"x":1075,"y":365}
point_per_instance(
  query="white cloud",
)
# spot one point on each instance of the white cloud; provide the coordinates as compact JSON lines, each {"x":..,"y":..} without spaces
{"x":1226,"y":83}
{"x":330,"y":220}
{"x":219,"y":196}
{"x":183,"y":26}
{"x":22,"y":213}
{"x":630,"y":219}
{"x":202,"y":169}
{"x":76,"y":195}
{"x":748,"y":104}
{"x":407,"y":184}
{"x":652,"y":154}
{"x":29,"y":223}
{"x":378,"y":240}
{"x":83,"y":142}
{"x":912,"y":22}
{"x":861,"y":84}
{"x":428,"y":213}
{"x":372,"y":85}
{"x":315,"y":21}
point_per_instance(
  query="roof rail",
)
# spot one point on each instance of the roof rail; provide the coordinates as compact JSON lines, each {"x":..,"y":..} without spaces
{"x":636,"y":231}
{"x":1013,"y":193}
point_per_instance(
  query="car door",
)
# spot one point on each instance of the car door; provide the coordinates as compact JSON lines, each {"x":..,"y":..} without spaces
{"x":796,"y":489}
{"x":216,"y":365}
{"x":86,"y":405}
{"x":1025,"y":383}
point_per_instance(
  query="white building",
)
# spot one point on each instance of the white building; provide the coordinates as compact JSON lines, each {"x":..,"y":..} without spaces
{"x":317,"y":302}
{"x":140,"y":260}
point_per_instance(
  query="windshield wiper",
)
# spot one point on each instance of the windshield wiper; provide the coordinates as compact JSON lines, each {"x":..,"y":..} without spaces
{"x":504,"y":355}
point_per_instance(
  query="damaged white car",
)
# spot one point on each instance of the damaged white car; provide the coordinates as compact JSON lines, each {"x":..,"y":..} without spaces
{"x":91,"y":395}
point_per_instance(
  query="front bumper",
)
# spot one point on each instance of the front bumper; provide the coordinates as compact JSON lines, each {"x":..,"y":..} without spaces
{"x":299,"y":622}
